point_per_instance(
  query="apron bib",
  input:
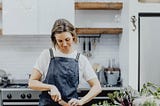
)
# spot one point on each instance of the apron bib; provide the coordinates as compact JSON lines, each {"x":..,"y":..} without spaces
{"x":64,"y":74}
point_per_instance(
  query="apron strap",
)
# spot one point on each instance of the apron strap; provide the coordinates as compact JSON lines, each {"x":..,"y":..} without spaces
{"x":51,"y":53}
{"x":77,"y":57}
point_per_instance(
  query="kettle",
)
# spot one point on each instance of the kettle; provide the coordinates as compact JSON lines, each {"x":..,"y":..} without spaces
{"x":3,"y":77}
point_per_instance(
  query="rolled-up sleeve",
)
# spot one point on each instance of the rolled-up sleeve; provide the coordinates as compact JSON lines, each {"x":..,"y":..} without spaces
{"x":88,"y":72}
{"x":42,"y":62}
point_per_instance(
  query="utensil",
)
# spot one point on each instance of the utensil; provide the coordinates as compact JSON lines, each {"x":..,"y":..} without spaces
{"x":61,"y":102}
{"x":94,"y":43}
{"x":89,"y":49}
{"x":84,"y":47}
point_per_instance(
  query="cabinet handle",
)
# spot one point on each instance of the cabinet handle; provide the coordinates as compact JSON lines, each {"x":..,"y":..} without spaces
{"x":133,"y":20}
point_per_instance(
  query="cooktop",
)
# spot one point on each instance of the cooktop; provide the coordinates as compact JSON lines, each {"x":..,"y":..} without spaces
{"x":14,"y":86}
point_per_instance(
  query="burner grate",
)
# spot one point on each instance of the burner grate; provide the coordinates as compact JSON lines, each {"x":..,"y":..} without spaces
{"x":15,"y":86}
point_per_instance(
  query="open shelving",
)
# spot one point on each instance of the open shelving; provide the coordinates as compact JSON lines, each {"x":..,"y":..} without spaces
{"x":99,"y":30}
{"x":98,"y":5}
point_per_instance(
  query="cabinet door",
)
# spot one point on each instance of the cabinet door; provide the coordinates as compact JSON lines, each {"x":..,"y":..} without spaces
{"x":19,"y":17}
{"x":149,"y":52}
{"x":51,"y":10}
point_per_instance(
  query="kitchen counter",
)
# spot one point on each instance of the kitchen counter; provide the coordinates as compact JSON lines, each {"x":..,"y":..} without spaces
{"x":103,"y":88}
{"x":79,"y":89}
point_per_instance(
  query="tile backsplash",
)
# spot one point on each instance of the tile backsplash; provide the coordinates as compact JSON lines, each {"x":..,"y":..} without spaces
{"x":19,"y":53}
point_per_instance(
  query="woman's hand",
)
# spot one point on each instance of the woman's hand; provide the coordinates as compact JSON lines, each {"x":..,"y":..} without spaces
{"x":75,"y":102}
{"x":55,"y":94}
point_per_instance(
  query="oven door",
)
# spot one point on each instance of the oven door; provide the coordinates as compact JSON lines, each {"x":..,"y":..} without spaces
{"x":20,"y":103}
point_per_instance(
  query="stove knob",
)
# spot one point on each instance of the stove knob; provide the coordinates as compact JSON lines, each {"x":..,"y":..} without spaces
{"x":9,"y":96}
{"x":23,"y":96}
{"x":29,"y":95}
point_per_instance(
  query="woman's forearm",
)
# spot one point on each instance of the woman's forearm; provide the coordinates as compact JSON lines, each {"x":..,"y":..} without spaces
{"x":94,"y":91}
{"x":38,"y":85}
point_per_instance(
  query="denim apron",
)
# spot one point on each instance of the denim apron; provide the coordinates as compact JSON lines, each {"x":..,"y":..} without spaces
{"x":64,"y":74}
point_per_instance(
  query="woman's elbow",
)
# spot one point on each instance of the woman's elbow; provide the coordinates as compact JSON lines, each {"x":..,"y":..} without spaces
{"x":30,"y":84}
{"x":99,"y":88}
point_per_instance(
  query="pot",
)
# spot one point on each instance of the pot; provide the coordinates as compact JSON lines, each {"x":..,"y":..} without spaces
{"x":112,"y":76}
{"x":99,"y":70}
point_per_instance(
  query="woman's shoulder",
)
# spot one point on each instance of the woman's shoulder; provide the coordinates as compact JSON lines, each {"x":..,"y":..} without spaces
{"x":83,"y":60}
{"x":82,"y":57}
{"x":46,"y":53}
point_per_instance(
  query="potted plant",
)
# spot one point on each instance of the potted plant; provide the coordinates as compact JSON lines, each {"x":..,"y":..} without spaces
{"x":124,"y":97}
{"x":149,"y":95}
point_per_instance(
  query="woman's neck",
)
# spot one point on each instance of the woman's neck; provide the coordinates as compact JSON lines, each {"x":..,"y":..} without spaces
{"x":66,"y":51}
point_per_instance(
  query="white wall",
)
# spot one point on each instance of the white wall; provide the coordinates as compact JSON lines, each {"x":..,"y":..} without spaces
{"x":18,"y":53}
{"x":0,"y":16}
{"x":0,"y":19}
{"x":111,"y":18}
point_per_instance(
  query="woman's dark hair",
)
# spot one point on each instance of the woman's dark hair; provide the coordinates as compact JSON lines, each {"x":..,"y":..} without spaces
{"x":62,"y":25}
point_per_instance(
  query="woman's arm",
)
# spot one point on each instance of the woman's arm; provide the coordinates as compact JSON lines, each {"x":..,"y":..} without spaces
{"x":36,"y":84}
{"x":93,"y":92}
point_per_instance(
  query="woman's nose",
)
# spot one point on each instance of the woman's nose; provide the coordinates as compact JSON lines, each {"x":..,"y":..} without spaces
{"x":64,"y":43}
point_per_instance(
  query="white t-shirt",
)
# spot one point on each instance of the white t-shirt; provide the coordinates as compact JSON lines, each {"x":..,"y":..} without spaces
{"x":86,"y":71}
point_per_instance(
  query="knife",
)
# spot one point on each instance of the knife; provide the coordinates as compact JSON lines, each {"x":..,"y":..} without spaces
{"x":61,"y":102}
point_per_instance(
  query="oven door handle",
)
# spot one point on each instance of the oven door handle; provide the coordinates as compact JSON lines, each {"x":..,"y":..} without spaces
{"x":20,"y":103}
{"x":98,"y":98}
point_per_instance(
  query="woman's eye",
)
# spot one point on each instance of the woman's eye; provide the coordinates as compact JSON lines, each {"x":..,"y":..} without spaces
{"x":68,"y":39}
{"x":59,"y":41}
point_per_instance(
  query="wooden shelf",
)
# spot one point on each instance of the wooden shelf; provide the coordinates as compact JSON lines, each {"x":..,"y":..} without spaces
{"x":0,"y":6}
{"x":98,"y":5}
{"x":99,"y":30}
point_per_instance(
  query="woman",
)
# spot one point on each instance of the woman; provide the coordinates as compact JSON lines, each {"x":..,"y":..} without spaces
{"x":60,"y":70}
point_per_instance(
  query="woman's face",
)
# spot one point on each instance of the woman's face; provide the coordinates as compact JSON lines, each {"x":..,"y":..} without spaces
{"x":64,"y":41}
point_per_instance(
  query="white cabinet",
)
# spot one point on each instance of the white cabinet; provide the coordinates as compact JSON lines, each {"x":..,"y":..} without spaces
{"x":51,"y":10}
{"x":19,"y":17}
{"x":30,"y":17}
{"x":149,"y":49}
{"x":135,"y":8}
{"x":0,"y":17}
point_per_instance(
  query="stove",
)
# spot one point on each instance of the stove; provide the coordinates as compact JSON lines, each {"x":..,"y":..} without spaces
{"x":15,"y":86}
{"x":18,"y":95}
